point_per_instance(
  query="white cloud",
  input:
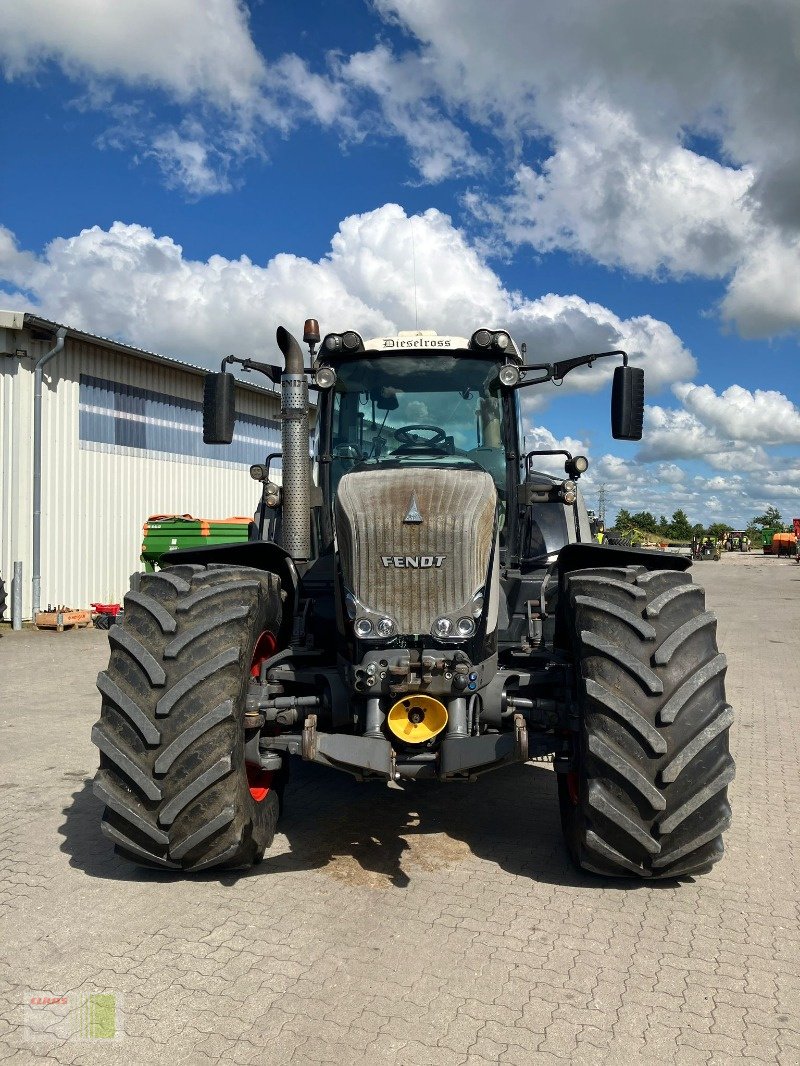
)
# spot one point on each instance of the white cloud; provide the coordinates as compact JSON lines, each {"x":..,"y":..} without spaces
{"x":678,"y":434}
{"x":645,"y":204}
{"x":763,"y":298}
{"x":200,"y":56}
{"x":127,"y":282}
{"x":439,"y":148}
{"x":190,"y":163}
{"x":763,"y":416}
{"x":186,"y":48}
{"x":674,"y":142}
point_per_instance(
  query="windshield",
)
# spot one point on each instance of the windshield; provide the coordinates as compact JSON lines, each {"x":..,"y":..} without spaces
{"x":418,"y":409}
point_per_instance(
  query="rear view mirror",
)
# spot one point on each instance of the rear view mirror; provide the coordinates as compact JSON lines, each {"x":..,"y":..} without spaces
{"x":627,"y":403}
{"x":219,"y":413}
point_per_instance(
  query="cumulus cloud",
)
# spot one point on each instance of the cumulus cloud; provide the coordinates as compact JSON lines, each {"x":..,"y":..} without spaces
{"x":200,"y":56}
{"x":765,"y":416}
{"x":129,"y":283}
{"x":674,"y":144}
{"x":186,"y":48}
{"x":647,"y":205}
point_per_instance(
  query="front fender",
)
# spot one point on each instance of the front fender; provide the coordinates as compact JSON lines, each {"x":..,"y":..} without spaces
{"x":587,"y":555}
{"x":258,"y":554}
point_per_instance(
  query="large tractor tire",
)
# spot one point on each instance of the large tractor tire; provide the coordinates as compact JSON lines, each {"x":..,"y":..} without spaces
{"x":647,"y":793}
{"x":173,"y":778}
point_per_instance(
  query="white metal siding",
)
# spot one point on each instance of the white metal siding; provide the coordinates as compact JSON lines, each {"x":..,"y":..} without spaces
{"x":95,"y":497}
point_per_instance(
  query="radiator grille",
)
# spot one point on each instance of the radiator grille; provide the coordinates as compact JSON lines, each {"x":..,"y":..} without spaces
{"x":458,"y":511}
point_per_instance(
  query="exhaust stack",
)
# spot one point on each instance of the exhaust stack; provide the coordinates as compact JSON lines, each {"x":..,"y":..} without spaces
{"x":294,"y":442}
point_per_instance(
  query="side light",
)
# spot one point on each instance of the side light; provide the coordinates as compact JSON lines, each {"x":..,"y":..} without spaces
{"x":509,"y":375}
{"x":576,"y":466}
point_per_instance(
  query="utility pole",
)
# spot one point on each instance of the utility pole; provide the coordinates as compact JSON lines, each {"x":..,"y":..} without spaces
{"x":601,"y":503}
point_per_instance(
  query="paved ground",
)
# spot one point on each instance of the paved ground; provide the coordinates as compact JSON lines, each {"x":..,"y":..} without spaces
{"x":422,"y":926}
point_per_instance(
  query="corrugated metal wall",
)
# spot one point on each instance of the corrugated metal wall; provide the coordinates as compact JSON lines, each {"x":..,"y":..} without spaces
{"x":95,"y":497}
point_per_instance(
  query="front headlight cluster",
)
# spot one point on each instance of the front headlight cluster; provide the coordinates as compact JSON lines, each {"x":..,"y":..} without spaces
{"x":462,"y":624}
{"x":367,"y":624}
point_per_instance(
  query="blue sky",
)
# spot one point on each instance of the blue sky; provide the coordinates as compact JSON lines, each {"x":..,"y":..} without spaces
{"x":187,"y":175}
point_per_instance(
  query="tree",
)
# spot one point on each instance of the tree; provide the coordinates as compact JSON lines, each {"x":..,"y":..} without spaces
{"x":698,"y":530}
{"x":680,"y":527}
{"x":664,"y":527}
{"x":771,"y":517}
{"x":645,"y":521}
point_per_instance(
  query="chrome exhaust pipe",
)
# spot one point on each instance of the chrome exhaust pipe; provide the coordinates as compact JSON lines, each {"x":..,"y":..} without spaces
{"x":294,"y":445}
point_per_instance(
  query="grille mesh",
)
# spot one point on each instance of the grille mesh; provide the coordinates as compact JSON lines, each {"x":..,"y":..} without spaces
{"x":457,"y":508}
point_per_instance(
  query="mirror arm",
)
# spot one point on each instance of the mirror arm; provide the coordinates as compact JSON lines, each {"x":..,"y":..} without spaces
{"x":272,"y":372}
{"x":557,"y":371}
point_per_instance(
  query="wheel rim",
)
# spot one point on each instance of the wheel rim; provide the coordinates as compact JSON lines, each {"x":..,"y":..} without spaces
{"x":264,"y":649}
{"x":259,"y":781}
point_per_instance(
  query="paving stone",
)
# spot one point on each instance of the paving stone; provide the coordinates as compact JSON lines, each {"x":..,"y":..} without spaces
{"x":430,"y":926}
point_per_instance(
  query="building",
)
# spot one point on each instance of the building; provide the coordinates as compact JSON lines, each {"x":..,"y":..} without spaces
{"x":121,"y":440}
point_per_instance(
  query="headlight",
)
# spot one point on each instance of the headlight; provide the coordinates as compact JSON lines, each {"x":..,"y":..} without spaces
{"x":465,"y":627}
{"x":325,"y":377}
{"x":442,"y":627}
{"x":501,"y":340}
{"x":351,"y":340}
{"x":385,"y":627}
{"x":258,"y":472}
{"x":332,"y":342}
{"x":363,"y":627}
{"x":482,"y":338}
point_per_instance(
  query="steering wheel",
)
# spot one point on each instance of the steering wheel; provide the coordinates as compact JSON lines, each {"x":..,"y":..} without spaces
{"x":409,"y":442}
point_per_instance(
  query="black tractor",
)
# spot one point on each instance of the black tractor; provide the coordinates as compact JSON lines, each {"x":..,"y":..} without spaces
{"x":417,"y":601}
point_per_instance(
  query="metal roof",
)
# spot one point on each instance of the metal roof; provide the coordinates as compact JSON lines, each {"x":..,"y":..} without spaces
{"x":44,"y":324}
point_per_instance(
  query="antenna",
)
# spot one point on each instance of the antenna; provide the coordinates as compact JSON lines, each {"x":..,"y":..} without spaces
{"x":414,"y":261}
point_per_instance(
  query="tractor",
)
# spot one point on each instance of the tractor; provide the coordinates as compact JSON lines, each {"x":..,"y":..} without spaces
{"x":416,"y":601}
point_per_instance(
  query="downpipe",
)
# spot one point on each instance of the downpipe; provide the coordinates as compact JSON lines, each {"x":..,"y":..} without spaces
{"x":36,"y":576}
{"x":294,"y":443}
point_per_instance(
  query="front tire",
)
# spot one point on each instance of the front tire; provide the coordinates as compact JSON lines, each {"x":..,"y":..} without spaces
{"x":647,"y":793}
{"x":172,"y":776}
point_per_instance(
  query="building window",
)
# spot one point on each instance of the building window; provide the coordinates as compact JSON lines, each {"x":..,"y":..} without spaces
{"x":125,"y":416}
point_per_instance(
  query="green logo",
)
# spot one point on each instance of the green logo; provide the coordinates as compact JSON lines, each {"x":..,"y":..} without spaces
{"x":97,"y":1016}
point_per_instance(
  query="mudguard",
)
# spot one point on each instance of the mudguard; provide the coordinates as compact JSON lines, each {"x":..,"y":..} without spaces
{"x":588,"y":555}
{"x":258,"y":554}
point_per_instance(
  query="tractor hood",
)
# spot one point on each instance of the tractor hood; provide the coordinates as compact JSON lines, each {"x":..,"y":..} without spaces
{"x":416,"y":544}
